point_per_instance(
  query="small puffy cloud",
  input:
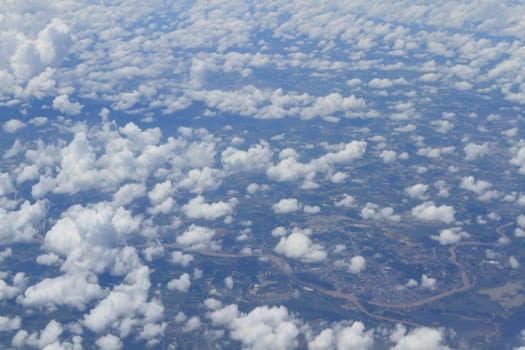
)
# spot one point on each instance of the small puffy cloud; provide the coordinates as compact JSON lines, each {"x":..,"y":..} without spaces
{"x":354,"y":265}
{"x":513,"y":262}
{"x":378,"y":83}
{"x":8,"y":324}
{"x":357,"y":264}
{"x":388,"y":156}
{"x":224,"y":316}
{"x":338,"y":177}
{"x":286,"y":206}
{"x":347,"y":202}
{"x":48,"y":259}
{"x":474,"y":151}
{"x":19,"y":283}
{"x":7,"y":252}
{"x":109,"y":342}
{"x":311,"y":209}
{"x":519,"y":158}
{"x":50,"y":335}
{"x":22,"y":224}
{"x":212,"y":304}
{"x":520,"y":231}
{"x":343,"y":337}
{"x":428,"y":282}
{"x":299,"y":246}
{"x":192,"y":324}
{"x":436,"y":152}
{"x":182,"y":284}
{"x":201,"y":180}
{"x":13,"y":125}
{"x":279,"y":231}
{"x":372,"y":211}
{"x":325,"y":106}
{"x":428,"y":211}
{"x":179,"y":258}
{"x":481,"y":188}
{"x":228,"y":282}
{"x":450,"y":236}
{"x":355,"y":337}
{"x":128,"y":193}
{"x":196,"y":208}
{"x":256,"y":158}
{"x":198,"y":237}
{"x":442,"y":126}
{"x":153,"y":251}
{"x":289,"y":169}
{"x":253,"y":187}
{"x":265,"y":328}
{"x":63,"y":104}
{"x":417,"y":191}
{"x":159,"y":193}
{"x":418,"y":339}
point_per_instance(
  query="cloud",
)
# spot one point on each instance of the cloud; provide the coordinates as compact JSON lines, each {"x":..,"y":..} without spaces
{"x":262,"y":328}
{"x":474,"y":151}
{"x":8,"y":324}
{"x":109,"y":342}
{"x":418,"y":338}
{"x":10,"y":291}
{"x":192,"y":324}
{"x":330,"y":104}
{"x":47,"y":336}
{"x":299,"y":246}
{"x":256,"y":158}
{"x":343,"y":337}
{"x":436,"y":152}
{"x":198,"y":237}
{"x":127,"y":308}
{"x":388,"y":156}
{"x":179,"y":258}
{"x":75,"y":290}
{"x":22,"y":224}
{"x":417,"y":191}
{"x":88,"y":236}
{"x":287,"y":206}
{"x":201,"y":180}
{"x":182,"y":284}
{"x":228,"y":282}
{"x":450,"y":236}
{"x":372,"y":211}
{"x":347,"y":201}
{"x":519,"y":157}
{"x":428,"y":282}
{"x":355,"y":265}
{"x":513,"y":262}
{"x":289,"y":169}
{"x":63,"y":104}
{"x":428,"y":211}
{"x":480,"y":187}
{"x":196,"y":208}
{"x":442,"y":126}
{"x":13,"y":125}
